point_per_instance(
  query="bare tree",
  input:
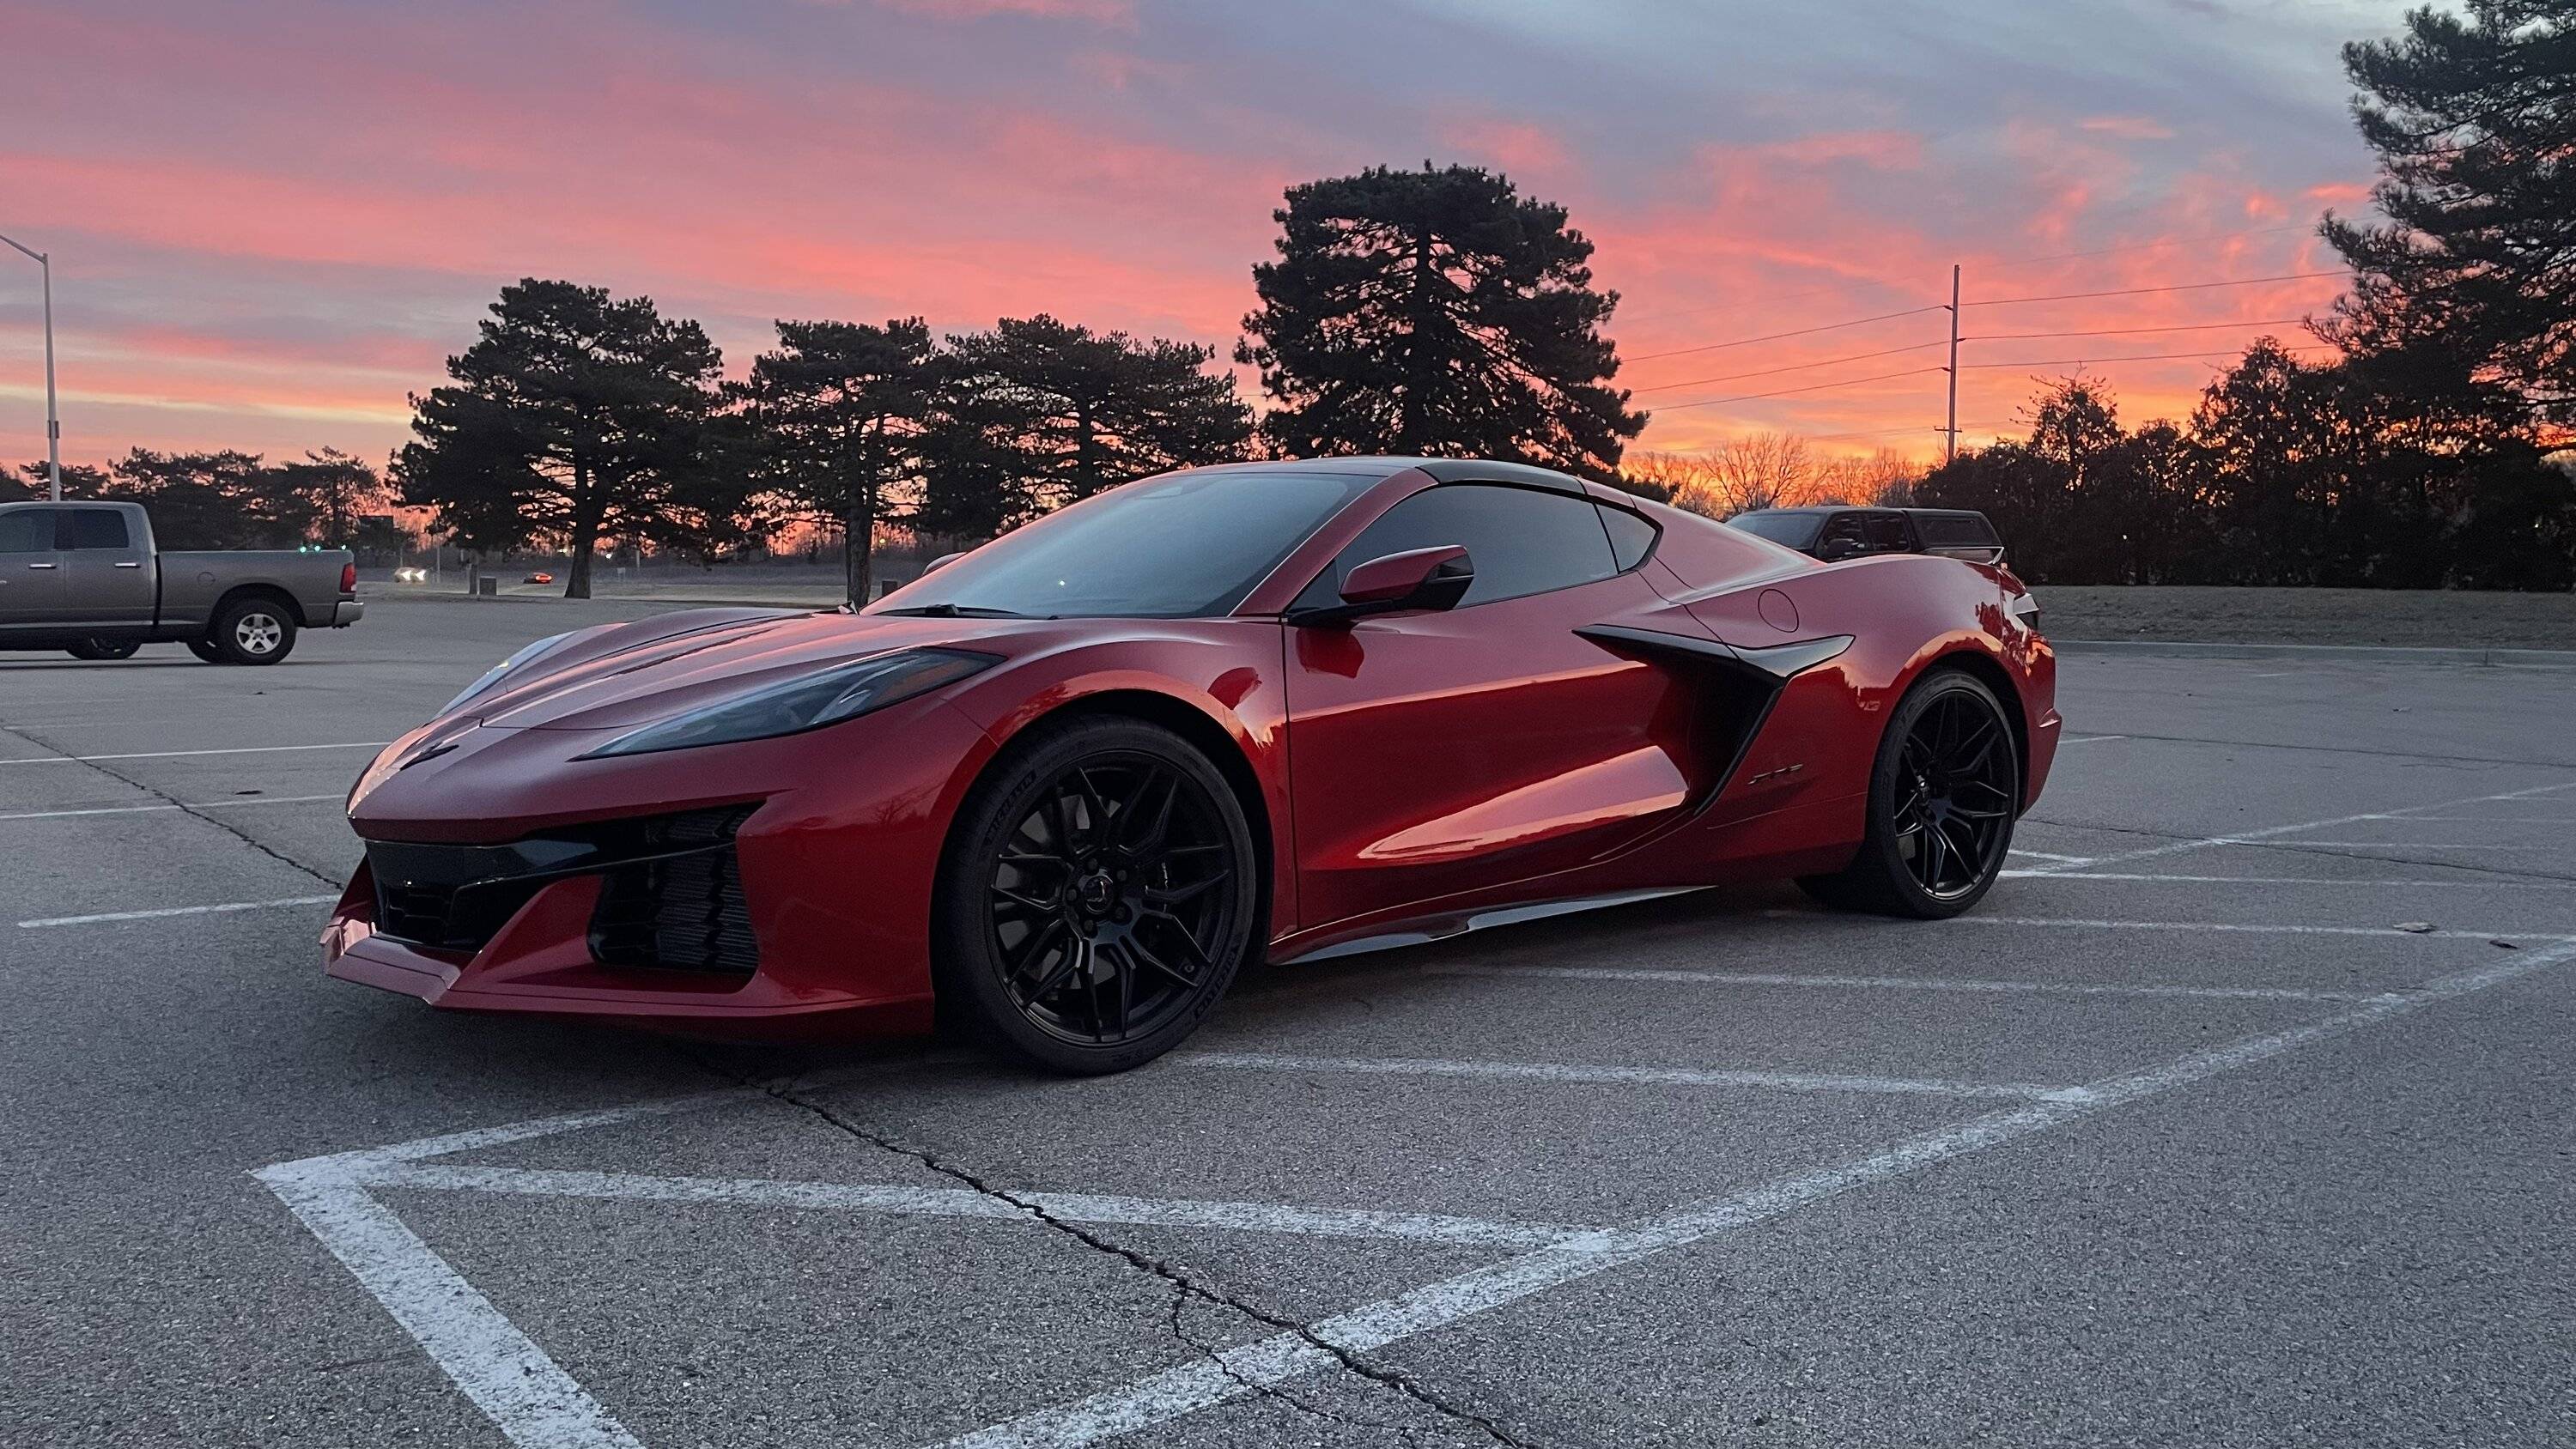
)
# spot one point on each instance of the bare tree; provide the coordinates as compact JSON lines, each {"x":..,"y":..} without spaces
{"x":1884,"y":479}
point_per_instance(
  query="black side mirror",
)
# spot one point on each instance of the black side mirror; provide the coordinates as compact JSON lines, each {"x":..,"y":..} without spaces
{"x":1422,"y":578}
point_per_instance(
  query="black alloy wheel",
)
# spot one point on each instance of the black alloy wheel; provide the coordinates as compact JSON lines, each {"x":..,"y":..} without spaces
{"x":1944,"y":792}
{"x":1103,"y":898}
{"x":1954,"y":783}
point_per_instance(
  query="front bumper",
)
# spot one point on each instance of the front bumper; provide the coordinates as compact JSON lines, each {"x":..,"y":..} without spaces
{"x":765,"y":888}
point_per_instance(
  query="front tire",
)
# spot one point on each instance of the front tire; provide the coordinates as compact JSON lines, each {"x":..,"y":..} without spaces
{"x":252,"y":631}
{"x":1943,"y":794}
{"x":1098,"y":895}
{"x":103,"y":649}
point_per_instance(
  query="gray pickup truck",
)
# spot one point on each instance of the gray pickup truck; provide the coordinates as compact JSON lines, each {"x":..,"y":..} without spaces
{"x":85,"y":578}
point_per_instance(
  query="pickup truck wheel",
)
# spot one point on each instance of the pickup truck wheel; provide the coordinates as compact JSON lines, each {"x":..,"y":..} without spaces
{"x":205,"y":649}
{"x":253,"y":631}
{"x":103,"y":649}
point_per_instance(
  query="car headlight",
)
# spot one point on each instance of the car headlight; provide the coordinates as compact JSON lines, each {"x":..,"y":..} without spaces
{"x":809,"y":701}
{"x":492,"y":676}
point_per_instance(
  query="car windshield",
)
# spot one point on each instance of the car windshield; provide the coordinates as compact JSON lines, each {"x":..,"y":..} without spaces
{"x":1183,"y":546}
{"x":1791,"y":530}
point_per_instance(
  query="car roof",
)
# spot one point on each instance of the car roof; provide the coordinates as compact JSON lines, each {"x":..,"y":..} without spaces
{"x":1445,"y":470}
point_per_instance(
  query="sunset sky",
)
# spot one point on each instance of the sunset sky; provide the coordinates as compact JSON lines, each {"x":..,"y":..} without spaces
{"x":271,"y":221}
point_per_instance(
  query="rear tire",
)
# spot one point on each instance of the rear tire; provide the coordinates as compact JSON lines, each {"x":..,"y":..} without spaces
{"x":1943,"y":794}
{"x":252,"y":631}
{"x":104,"y":649}
{"x":1097,"y":897}
{"x":205,"y":649}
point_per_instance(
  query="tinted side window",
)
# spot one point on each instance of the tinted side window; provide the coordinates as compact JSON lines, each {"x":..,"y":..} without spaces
{"x":91,"y":528}
{"x":1843,"y":529}
{"x":1955,"y":530}
{"x":28,"y":530}
{"x":1521,"y":540}
{"x":1631,"y":537}
{"x":1884,"y":532}
{"x":1789,"y":530}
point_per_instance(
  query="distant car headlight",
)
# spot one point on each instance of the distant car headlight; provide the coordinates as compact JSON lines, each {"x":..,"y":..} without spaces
{"x":492,"y":676}
{"x":810,"y":701}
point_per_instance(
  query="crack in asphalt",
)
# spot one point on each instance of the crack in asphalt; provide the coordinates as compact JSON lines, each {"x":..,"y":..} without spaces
{"x":281,"y":857}
{"x":1184,"y":1286}
{"x":1406,"y":1434}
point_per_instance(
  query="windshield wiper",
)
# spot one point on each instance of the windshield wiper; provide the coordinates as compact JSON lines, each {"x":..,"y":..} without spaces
{"x":955,"y":611}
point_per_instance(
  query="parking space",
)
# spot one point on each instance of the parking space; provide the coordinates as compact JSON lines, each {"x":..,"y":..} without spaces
{"x":2236,"y":1114}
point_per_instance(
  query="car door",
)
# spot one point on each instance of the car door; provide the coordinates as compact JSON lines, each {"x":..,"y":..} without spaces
{"x":107,"y":580}
{"x":31,"y":572}
{"x":1435,"y":752}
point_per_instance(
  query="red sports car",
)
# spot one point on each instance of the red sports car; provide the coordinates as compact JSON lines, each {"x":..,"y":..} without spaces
{"x":1067,"y":785}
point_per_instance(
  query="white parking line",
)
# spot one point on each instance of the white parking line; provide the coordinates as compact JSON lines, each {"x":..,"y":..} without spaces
{"x":966,"y":1203}
{"x":1250,"y":1368}
{"x":224,"y":909}
{"x":2089,"y":739}
{"x":1638,"y":1076}
{"x":148,"y":809}
{"x":2239,"y":928}
{"x":2491,"y":819}
{"x":2177,"y":847}
{"x":1902,"y":983}
{"x":509,"y":1378}
{"x":2294,"y":880}
{"x":177,"y":754}
{"x":2371,"y":844}
{"x":2045,"y":855}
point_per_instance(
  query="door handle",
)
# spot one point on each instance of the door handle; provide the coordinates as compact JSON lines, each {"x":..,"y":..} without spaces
{"x":129,"y":564}
{"x":44,"y":566}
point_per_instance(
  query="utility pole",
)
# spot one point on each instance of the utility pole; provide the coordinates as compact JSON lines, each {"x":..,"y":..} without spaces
{"x":53,"y":423}
{"x":1950,"y":434}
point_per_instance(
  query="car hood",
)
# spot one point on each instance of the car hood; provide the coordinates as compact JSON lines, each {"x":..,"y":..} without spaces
{"x":619,"y":676}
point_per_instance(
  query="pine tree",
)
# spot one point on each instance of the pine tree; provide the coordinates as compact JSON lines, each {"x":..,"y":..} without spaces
{"x":2474,"y":122}
{"x":576,"y":417}
{"x":837,"y":414}
{"x":1098,"y":409}
{"x":1436,"y":312}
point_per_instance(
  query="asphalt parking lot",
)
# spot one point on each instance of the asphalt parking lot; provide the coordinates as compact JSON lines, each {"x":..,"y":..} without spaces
{"x":2238,"y":1115}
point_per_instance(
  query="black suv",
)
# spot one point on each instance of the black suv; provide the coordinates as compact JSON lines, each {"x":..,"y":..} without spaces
{"x":1834,"y":532}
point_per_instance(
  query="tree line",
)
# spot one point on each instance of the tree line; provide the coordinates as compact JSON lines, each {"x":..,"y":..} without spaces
{"x":2285,"y":473}
{"x":226,"y":499}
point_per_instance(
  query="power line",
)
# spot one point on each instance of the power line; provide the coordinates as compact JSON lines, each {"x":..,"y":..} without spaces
{"x":2137,"y":357}
{"x":1794,"y":367}
{"x":2142,"y":291}
{"x":2126,"y":331}
{"x":1786,"y":391}
{"x":1799,"y":332}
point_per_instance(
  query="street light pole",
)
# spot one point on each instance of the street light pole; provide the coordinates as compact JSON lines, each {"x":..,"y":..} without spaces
{"x":53,"y":422}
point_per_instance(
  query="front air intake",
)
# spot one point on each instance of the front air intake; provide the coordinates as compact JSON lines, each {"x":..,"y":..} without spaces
{"x":681,"y":906}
